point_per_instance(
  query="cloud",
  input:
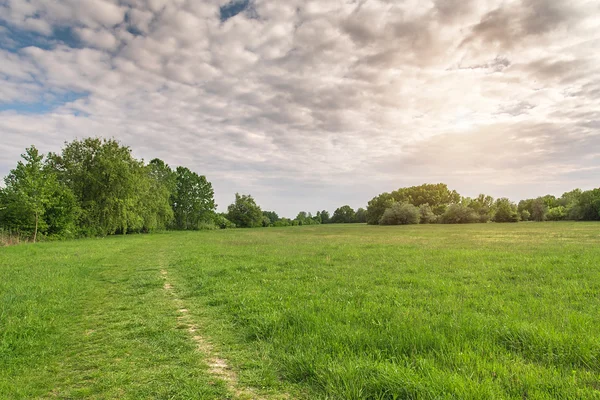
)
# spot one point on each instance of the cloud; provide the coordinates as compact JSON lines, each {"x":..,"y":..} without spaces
{"x":314,"y":104}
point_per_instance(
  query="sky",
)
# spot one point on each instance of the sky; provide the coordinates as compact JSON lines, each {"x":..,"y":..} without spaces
{"x":310,"y":105}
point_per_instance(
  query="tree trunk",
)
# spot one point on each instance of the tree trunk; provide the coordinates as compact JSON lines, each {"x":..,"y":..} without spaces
{"x":36,"y":227}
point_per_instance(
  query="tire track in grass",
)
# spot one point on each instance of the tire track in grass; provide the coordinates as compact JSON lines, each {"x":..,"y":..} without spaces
{"x":218,"y":366}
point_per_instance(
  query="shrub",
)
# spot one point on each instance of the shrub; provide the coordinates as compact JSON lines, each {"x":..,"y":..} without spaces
{"x":400,"y":214}
{"x":506,"y":211}
{"x":525,"y":215}
{"x":427,"y":215}
{"x":459,"y":214}
{"x":556,"y":213}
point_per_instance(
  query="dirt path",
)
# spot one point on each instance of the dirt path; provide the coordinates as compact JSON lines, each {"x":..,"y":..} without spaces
{"x":218,"y":366}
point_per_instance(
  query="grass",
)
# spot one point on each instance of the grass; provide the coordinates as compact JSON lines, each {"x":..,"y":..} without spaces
{"x":486,"y":311}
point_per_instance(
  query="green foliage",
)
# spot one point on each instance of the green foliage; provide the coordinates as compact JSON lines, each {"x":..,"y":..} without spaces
{"x":438,"y":196}
{"x":108,"y":183}
{"x":157,"y":188}
{"x":193,"y":200}
{"x":221,"y":221}
{"x":35,"y":201}
{"x":426,"y":214}
{"x":377,"y":206}
{"x":323,"y":216}
{"x":484,"y":206}
{"x":459,"y":214}
{"x":361,"y":216}
{"x":272,"y":216}
{"x":344,"y":215}
{"x":525,"y":215}
{"x":558,"y":213}
{"x":401,"y":214}
{"x":244,"y":212}
{"x":506,"y":211}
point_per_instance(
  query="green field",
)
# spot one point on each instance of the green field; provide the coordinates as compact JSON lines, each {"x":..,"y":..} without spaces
{"x":485,"y":311}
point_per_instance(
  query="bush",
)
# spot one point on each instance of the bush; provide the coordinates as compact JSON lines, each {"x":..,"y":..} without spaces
{"x":506,"y":211}
{"x":459,"y":214}
{"x":556,"y":213}
{"x":427,"y":215}
{"x":525,"y":215}
{"x":400,"y":214}
{"x":223,"y":223}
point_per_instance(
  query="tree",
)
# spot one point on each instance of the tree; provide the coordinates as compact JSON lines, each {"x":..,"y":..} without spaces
{"x":272,"y":215}
{"x":426,"y":214}
{"x":539,"y":209}
{"x":27,"y":193}
{"x":324,"y":216}
{"x":438,"y":196}
{"x":158,"y":192}
{"x":589,"y":202}
{"x":244,"y":212}
{"x":459,"y":214}
{"x":506,"y":211}
{"x":400,"y":214}
{"x":377,"y":206}
{"x":193,"y":201}
{"x":558,"y":213}
{"x":343,"y":215}
{"x":361,"y":216}
{"x":525,"y":215}
{"x":484,"y":207}
{"x":107,"y":182}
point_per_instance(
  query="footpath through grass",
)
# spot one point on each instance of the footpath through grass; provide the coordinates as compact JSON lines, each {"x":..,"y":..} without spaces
{"x":331,"y":312}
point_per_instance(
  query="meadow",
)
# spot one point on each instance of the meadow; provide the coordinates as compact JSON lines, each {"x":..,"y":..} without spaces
{"x":483,"y":311}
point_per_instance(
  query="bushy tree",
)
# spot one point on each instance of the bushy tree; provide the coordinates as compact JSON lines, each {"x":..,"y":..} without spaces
{"x":158,"y":189}
{"x":484,"y":206}
{"x":506,"y":211}
{"x":459,"y":214}
{"x":244,"y":212}
{"x":361,"y":216}
{"x":426,"y":214}
{"x":538,"y":210}
{"x":400,"y":214}
{"x":272,"y":215}
{"x":589,"y":202}
{"x":525,"y":215}
{"x":558,"y":213}
{"x":107,"y":182}
{"x":343,"y":215}
{"x":33,"y":200}
{"x":193,"y":200}
{"x":377,"y":206}
{"x":438,"y":196}
{"x":324,"y":216}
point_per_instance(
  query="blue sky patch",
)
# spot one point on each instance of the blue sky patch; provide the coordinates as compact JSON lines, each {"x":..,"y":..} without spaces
{"x":233,"y":8}
{"x":46,"y":105}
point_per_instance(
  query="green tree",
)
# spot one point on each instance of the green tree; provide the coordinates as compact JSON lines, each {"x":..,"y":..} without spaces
{"x":377,"y":206}
{"x":244,"y":212}
{"x":438,"y":196}
{"x":107,"y":181}
{"x":193,"y":201}
{"x":361,"y":215}
{"x":272,"y":215}
{"x":343,"y":215}
{"x":459,"y":214}
{"x":484,"y":206}
{"x":539,"y":210}
{"x":158,"y":191}
{"x":506,"y":211}
{"x":324,"y":216}
{"x":27,"y":193}
{"x":426,"y":214}
{"x":400,"y":214}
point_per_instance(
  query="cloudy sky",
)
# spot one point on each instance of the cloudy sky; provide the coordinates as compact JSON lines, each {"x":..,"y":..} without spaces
{"x":314,"y":104}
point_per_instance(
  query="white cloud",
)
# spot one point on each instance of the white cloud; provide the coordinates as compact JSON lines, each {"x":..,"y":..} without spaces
{"x":321,"y":102}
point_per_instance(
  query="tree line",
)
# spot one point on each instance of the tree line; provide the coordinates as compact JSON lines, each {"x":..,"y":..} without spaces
{"x":95,"y":187}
